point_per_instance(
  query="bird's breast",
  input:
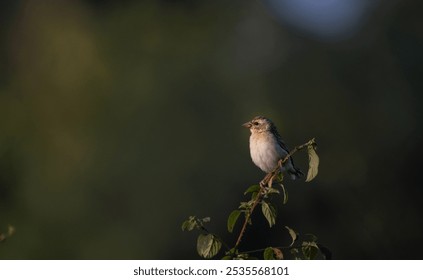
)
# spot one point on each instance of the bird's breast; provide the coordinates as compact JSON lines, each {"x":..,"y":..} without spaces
{"x":264,"y":151}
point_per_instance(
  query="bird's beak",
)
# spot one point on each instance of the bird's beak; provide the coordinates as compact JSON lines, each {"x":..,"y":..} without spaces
{"x":247,"y":124}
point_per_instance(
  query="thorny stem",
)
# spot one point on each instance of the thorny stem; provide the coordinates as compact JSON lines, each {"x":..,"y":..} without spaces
{"x":267,"y":180}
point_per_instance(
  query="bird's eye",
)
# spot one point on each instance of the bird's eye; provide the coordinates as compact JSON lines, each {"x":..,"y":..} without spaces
{"x":255,"y":123}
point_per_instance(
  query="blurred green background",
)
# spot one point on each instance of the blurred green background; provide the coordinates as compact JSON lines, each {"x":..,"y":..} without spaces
{"x":119,"y":119}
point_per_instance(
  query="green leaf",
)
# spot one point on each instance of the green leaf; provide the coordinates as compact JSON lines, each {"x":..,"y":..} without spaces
{"x":313,"y":163}
{"x":230,"y":255}
{"x":190,"y":224}
{"x":233,"y":217}
{"x":285,"y":194}
{"x":252,"y":189}
{"x":295,"y":253}
{"x":268,"y":254}
{"x":310,"y":250}
{"x":293,"y":235}
{"x":269,"y":213}
{"x":244,"y":205}
{"x":242,"y":257}
{"x":208,"y":245}
{"x":272,"y":190}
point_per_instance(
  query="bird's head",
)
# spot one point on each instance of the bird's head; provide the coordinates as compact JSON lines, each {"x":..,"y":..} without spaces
{"x":259,"y":124}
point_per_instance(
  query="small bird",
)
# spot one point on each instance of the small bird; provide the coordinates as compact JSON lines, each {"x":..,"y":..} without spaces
{"x":267,"y":147}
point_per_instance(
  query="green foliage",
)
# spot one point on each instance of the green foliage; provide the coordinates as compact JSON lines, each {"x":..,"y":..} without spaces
{"x":189,"y":224}
{"x":285,"y":194}
{"x":272,"y":253}
{"x":208,"y":245}
{"x":300,"y":247}
{"x":194,"y":223}
{"x":268,"y":254}
{"x":233,"y":217}
{"x":313,"y":161}
{"x":269,"y":213}
{"x":293,"y":234}
{"x":252,"y":189}
{"x":310,"y":250}
{"x":306,"y":248}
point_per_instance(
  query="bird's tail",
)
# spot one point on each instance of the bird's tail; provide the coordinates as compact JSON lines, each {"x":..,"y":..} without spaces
{"x":295,"y":173}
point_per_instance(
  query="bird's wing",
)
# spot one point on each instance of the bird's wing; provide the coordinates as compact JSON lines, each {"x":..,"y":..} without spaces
{"x":282,"y":144}
{"x":275,"y":132}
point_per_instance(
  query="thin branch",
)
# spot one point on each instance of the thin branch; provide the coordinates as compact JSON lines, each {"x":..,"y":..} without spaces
{"x":247,"y":217}
{"x":269,"y":178}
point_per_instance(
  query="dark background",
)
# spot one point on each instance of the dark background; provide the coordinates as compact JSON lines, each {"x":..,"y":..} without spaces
{"x":119,"y":119}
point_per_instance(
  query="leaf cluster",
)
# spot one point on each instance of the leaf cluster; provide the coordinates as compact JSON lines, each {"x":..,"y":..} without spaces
{"x":305,"y":248}
{"x":208,"y":244}
{"x":263,"y":194}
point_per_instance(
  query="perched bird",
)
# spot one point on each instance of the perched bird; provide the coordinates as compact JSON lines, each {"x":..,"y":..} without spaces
{"x":267,"y":147}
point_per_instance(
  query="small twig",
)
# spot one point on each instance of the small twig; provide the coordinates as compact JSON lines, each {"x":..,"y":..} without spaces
{"x":269,"y":177}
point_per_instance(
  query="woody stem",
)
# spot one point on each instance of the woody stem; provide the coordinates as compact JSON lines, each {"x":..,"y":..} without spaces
{"x":269,"y":176}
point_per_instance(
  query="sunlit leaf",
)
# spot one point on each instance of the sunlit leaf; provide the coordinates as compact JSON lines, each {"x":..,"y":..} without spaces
{"x":205,"y":220}
{"x":244,"y":205}
{"x":233,"y":217}
{"x":285,"y":194}
{"x":310,"y":250}
{"x":313,"y":163}
{"x":268,"y":254}
{"x":293,"y":235}
{"x":252,"y":189}
{"x":208,"y":245}
{"x":272,"y":190}
{"x":269,"y":213}
{"x":190,"y":224}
